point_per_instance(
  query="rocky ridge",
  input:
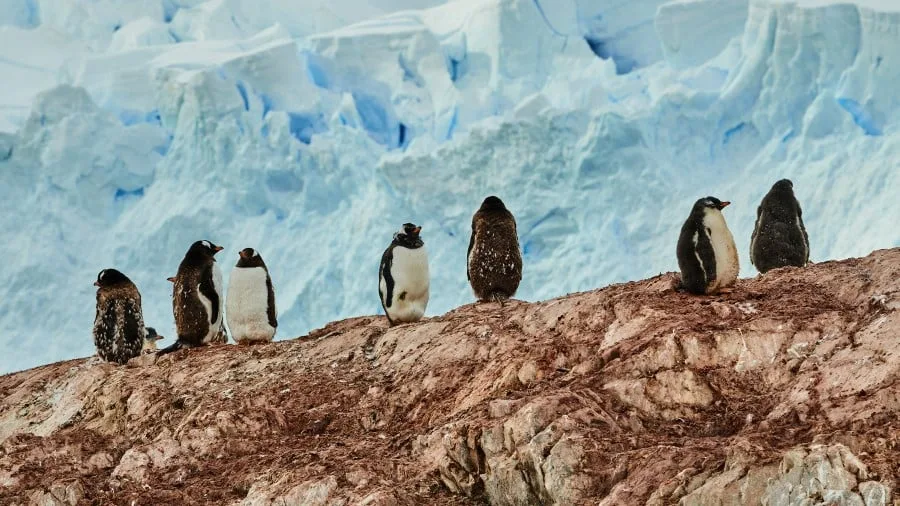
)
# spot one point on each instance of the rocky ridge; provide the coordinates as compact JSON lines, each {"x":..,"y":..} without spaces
{"x":785,"y":391}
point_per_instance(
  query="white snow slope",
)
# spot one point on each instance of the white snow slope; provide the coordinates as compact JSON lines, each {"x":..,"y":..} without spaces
{"x":131,"y":128}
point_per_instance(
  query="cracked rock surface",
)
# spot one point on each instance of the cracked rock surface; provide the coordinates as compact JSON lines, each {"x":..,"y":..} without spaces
{"x":785,"y":391}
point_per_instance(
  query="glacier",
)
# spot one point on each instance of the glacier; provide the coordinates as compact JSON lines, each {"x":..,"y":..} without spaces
{"x":129,"y":129}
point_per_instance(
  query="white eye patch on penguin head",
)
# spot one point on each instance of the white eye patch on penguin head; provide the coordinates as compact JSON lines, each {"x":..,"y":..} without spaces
{"x":109,"y":277}
{"x":714,"y":203}
{"x":410,"y":230}
{"x":205,"y":247}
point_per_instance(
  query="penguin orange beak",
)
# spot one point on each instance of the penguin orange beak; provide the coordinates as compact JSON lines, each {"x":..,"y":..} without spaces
{"x":724,"y":204}
{"x":242,"y":254}
{"x":418,"y":229}
{"x":218,"y":249}
{"x":171,"y":279}
{"x":97,"y":284}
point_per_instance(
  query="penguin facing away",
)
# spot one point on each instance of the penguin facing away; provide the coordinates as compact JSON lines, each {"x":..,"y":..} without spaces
{"x":150,"y":338}
{"x":707,"y":255}
{"x":119,"y":321}
{"x":779,"y":237}
{"x":221,"y":336}
{"x":197,"y":296}
{"x":403,"y":277}
{"x":493,"y":261}
{"x":250,"y":304}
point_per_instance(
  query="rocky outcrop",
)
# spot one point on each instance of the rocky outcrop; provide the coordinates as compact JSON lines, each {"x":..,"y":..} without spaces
{"x":785,"y":391}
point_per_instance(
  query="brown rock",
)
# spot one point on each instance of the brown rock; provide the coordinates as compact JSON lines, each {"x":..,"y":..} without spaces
{"x":784,"y":391}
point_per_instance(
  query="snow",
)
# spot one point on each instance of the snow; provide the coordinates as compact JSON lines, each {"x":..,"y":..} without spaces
{"x":692,"y":32}
{"x":128,"y":130}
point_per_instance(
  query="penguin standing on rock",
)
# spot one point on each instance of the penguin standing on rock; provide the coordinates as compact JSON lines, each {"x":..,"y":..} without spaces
{"x":196,"y":301}
{"x":779,"y":238}
{"x":706,"y":252}
{"x":494,"y":263}
{"x":119,"y":322}
{"x":403,"y":278}
{"x":250,"y":305}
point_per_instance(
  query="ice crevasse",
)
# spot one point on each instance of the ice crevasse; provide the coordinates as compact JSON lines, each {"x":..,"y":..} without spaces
{"x":128,"y":133}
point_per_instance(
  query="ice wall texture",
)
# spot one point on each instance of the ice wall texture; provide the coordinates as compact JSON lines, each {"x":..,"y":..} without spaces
{"x":311,"y":135}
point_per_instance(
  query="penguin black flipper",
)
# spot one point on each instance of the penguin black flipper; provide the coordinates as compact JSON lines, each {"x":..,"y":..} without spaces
{"x":108,"y":337}
{"x":754,"y":234}
{"x":387,"y":259}
{"x":384,"y":272}
{"x":805,"y":235}
{"x":133,"y":323}
{"x":707,"y":254}
{"x":270,"y":303}
{"x":697,"y":260}
{"x":208,"y":290}
{"x":469,"y":252}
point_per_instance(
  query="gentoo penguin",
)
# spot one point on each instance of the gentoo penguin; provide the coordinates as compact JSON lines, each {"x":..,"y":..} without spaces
{"x":221,"y":336}
{"x":706,"y":252}
{"x":196,"y":298}
{"x":119,"y":323}
{"x":403,"y":278}
{"x":493,"y":263}
{"x":779,"y":238}
{"x":150,"y":338}
{"x":250,"y":304}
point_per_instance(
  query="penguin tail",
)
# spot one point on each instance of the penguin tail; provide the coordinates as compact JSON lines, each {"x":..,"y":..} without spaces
{"x":177,"y":345}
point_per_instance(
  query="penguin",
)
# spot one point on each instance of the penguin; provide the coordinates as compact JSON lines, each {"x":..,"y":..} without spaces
{"x":493,"y":261}
{"x":250,"y":303}
{"x":196,"y":300}
{"x":706,"y":252}
{"x":150,"y":338}
{"x":119,"y":321}
{"x":403,"y":278}
{"x":779,"y":238}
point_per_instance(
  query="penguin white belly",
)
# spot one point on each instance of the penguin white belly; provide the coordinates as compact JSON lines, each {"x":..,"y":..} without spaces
{"x":207,"y":304}
{"x":727,"y":265}
{"x":409,"y":268}
{"x":247,"y":305}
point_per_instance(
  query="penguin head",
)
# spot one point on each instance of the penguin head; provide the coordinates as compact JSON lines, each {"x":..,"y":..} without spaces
{"x":203,"y":250}
{"x":783,"y":190}
{"x":783,"y":184}
{"x":492,"y":203}
{"x":408,"y":235}
{"x":110,"y":277}
{"x":151,"y":335}
{"x":781,"y":201}
{"x":249,"y":257}
{"x":710,"y":203}
{"x":410,"y":230}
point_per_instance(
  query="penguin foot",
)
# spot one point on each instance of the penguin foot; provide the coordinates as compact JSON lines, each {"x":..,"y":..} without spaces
{"x":177,"y":345}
